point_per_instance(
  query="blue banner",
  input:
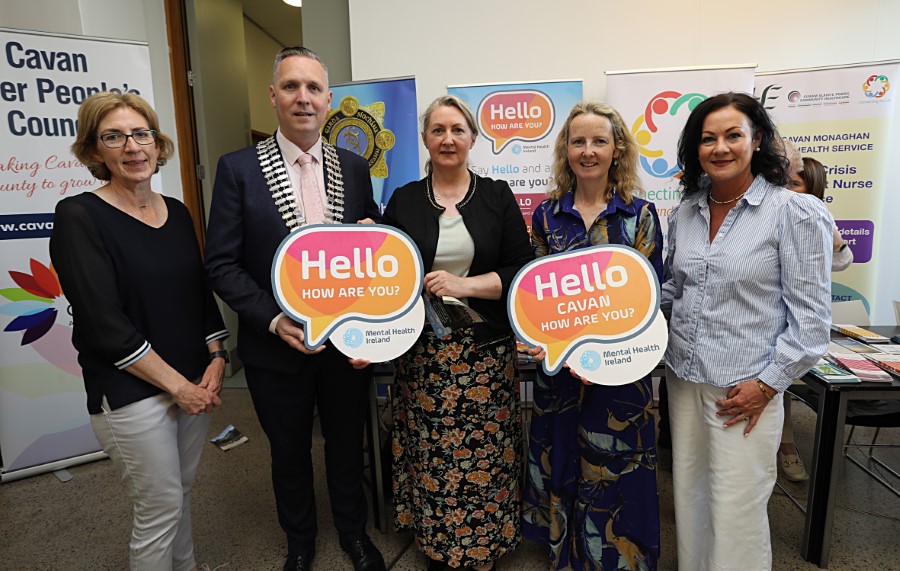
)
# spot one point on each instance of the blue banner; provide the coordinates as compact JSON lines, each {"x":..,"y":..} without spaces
{"x":377,"y":119}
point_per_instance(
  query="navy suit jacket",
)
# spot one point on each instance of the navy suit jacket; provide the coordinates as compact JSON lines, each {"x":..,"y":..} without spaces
{"x":245,"y":229}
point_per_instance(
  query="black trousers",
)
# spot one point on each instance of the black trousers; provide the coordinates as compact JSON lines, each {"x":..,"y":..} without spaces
{"x":284,"y":404}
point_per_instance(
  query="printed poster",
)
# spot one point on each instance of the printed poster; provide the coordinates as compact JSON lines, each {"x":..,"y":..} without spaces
{"x":518,"y":124}
{"x":43,"y":79}
{"x":377,"y":120}
{"x":842,"y":117}
{"x":655,"y":105}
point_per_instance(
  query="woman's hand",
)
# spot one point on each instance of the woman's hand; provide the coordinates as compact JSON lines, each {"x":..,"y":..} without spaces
{"x":213,"y":375}
{"x":194,"y":399}
{"x":744,"y":403}
{"x":539,"y":354}
{"x":365,"y":221}
{"x":359,"y":363}
{"x":440,"y":283}
{"x":836,"y":239}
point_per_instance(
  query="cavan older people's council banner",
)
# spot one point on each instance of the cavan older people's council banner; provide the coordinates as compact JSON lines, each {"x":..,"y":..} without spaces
{"x":377,"y":120}
{"x":518,"y":125}
{"x":655,"y":105}
{"x":43,"y":79}
{"x":842,"y":117}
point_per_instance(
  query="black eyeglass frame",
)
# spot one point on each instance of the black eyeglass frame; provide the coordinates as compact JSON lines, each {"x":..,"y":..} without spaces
{"x":131,"y":135}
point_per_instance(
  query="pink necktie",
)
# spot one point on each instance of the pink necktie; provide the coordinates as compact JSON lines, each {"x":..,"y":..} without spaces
{"x":309,"y":190}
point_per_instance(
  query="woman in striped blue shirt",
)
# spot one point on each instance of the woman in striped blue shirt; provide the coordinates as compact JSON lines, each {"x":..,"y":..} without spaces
{"x":750,"y":306}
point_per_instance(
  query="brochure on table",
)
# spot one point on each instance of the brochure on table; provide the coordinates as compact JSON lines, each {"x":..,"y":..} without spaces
{"x":358,"y":286}
{"x":595,"y":310}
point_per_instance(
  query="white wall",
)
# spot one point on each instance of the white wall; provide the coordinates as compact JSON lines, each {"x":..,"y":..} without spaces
{"x":261,"y":50}
{"x":137,"y":20}
{"x":484,"y":41}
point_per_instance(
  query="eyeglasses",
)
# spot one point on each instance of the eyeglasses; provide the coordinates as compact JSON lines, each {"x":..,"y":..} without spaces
{"x":119,"y":140}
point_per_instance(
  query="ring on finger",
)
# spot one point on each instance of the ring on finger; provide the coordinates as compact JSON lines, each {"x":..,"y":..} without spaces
{"x":744,"y":417}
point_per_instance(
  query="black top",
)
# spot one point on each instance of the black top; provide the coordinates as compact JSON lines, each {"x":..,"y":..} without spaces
{"x":132,"y":287}
{"x":494,"y":221}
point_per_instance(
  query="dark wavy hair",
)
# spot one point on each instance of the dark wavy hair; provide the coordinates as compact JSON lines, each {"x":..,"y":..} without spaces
{"x":770,"y":161}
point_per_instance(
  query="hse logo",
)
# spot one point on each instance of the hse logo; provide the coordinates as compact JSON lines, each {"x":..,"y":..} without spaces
{"x":658,"y":128}
{"x":769,"y":94}
{"x":876,"y":86}
{"x":324,"y":275}
{"x":33,"y":301}
{"x":794,"y":96}
{"x":507,"y":116}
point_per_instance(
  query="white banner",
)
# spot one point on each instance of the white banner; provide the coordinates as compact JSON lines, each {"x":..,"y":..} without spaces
{"x":842,"y":116}
{"x":43,"y":80}
{"x":519,"y":123}
{"x":655,"y":105}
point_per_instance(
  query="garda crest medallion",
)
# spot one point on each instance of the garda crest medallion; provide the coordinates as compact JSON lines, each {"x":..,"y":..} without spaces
{"x":360,"y":129}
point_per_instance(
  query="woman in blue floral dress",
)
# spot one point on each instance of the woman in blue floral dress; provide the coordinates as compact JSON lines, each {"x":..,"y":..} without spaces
{"x":591,"y":491}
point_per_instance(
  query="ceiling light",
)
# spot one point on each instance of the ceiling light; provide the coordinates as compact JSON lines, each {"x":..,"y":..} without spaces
{"x":297,"y":3}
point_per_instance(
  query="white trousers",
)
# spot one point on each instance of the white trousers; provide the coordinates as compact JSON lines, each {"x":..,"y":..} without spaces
{"x":155,"y":447}
{"x":722,"y":480}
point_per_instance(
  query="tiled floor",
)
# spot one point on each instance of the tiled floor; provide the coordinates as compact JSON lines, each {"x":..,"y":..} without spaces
{"x":85,"y":523}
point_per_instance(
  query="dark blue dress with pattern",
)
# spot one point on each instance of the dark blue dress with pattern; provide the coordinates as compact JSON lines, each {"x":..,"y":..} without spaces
{"x":591,"y":476}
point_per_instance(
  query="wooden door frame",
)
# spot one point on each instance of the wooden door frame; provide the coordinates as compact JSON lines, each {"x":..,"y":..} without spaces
{"x":185,"y":120}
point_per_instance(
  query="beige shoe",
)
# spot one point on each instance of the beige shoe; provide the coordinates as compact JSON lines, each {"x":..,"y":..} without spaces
{"x":792,"y":467}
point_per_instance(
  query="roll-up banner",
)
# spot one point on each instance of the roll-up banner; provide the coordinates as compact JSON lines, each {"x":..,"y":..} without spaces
{"x":377,"y":120}
{"x":655,"y":105}
{"x":518,"y":124}
{"x":43,"y":79}
{"x":842,"y":117}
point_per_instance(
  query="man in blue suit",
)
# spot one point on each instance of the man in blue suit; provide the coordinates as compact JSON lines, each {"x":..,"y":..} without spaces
{"x":261,"y":193}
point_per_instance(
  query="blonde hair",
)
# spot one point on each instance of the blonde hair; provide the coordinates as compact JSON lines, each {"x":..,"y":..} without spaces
{"x":92,"y":112}
{"x":448,"y":101}
{"x":623,"y":176}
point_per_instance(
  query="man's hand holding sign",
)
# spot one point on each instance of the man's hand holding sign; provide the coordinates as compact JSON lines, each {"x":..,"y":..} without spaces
{"x":358,"y":286}
{"x":595,"y":310}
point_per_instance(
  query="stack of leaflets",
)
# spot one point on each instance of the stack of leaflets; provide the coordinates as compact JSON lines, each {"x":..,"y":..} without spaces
{"x":846,"y":345}
{"x":891,"y":349}
{"x":890,"y":363}
{"x":863,"y":368}
{"x":229,"y":438}
{"x":832,"y":373}
{"x":860,"y":333}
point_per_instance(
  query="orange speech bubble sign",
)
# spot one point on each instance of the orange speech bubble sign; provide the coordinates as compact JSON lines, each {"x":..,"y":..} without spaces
{"x":508,"y":116}
{"x":605,"y":293}
{"x":325,"y":274}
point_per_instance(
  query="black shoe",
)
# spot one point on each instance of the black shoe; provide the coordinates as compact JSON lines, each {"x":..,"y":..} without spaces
{"x":301,"y":562}
{"x":364,"y":554}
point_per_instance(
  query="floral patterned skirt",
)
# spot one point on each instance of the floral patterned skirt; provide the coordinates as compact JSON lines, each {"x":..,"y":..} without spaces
{"x":457,"y":448}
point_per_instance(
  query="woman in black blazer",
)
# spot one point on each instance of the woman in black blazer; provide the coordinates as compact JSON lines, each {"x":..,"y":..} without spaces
{"x":457,"y":436}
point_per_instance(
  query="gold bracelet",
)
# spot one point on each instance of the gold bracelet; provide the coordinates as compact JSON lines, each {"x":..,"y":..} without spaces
{"x":762,"y":387}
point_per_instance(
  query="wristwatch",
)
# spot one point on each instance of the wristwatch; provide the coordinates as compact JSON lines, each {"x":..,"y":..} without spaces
{"x":220,"y":353}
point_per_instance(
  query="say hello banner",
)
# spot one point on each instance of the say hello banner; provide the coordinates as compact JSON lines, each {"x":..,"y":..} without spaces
{"x":358,"y":285}
{"x":655,"y":105}
{"x":595,"y":310}
{"x":43,"y":80}
{"x":842,"y":117}
{"x":518,"y":125}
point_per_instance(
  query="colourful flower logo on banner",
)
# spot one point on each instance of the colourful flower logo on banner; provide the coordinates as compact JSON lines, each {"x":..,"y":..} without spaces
{"x":324,"y":275}
{"x":507,"y":116}
{"x":646,"y":128}
{"x":32,"y":301}
{"x":876,"y":86}
{"x":600,"y":295}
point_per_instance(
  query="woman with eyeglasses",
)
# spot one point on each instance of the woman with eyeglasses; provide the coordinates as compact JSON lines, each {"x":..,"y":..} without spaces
{"x":145,"y":324}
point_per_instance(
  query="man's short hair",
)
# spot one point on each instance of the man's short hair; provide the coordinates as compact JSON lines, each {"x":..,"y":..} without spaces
{"x":299,"y":51}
